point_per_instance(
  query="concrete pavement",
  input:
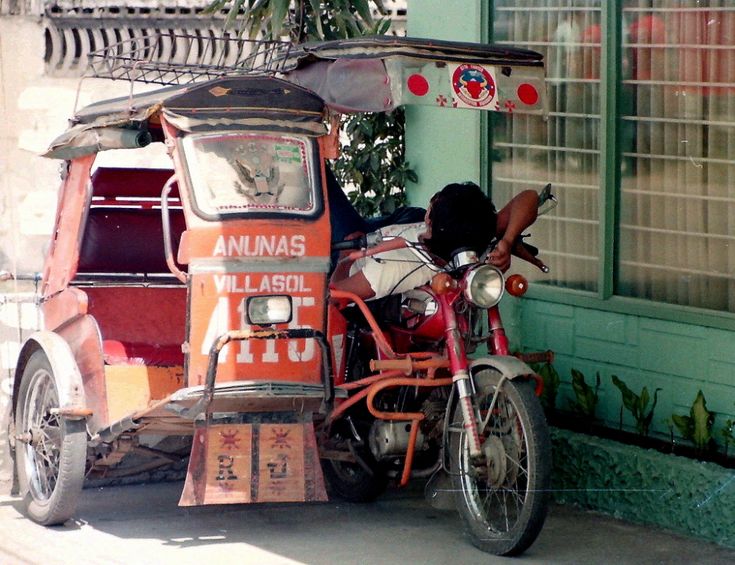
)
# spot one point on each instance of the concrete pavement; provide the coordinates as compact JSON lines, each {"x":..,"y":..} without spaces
{"x":143,"y":524}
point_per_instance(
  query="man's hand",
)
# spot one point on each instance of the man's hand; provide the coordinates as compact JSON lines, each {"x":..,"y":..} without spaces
{"x":500,"y":256}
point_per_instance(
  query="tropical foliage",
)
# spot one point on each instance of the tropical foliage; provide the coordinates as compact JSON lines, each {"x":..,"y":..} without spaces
{"x":697,"y":427}
{"x":637,"y":405}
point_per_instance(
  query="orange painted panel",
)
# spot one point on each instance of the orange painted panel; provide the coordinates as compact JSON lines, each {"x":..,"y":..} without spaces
{"x":281,"y":470}
{"x":220,"y":467}
{"x":237,"y":238}
{"x":218,"y":304}
{"x":64,"y":306}
{"x":131,"y":388}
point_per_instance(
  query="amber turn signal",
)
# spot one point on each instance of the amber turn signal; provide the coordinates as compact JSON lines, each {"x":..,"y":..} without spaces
{"x":517,"y":285}
{"x":442,"y":283}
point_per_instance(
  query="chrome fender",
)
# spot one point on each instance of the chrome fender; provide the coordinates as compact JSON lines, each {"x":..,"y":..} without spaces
{"x":507,"y":365}
{"x":66,"y":372}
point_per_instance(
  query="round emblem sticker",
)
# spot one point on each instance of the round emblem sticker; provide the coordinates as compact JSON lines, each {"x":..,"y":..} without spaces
{"x":473,"y":85}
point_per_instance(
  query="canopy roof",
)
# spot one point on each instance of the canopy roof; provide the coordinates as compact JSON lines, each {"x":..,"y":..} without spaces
{"x":358,"y":75}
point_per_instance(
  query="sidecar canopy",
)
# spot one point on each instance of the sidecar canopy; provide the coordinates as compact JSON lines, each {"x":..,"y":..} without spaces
{"x":378,"y":74}
{"x":372,"y":74}
{"x":254,"y":103}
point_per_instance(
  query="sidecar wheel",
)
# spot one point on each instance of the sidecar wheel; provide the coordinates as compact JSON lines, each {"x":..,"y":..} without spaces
{"x":51,"y":455}
{"x":503,"y":497}
{"x":351,"y":481}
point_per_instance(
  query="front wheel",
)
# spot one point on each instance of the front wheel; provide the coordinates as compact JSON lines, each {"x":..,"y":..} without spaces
{"x":50,"y":450}
{"x":503,"y":495}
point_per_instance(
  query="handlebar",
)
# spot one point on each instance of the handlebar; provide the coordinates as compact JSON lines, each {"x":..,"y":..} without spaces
{"x":361,"y":242}
{"x":348,"y":244}
{"x":521,"y":249}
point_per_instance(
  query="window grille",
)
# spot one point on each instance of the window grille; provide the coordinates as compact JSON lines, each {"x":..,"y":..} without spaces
{"x":565,"y":151}
{"x":677,"y":224}
{"x":676,"y":145}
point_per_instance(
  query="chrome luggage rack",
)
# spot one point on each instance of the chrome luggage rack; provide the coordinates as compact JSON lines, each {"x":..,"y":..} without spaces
{"x":175,"y":58}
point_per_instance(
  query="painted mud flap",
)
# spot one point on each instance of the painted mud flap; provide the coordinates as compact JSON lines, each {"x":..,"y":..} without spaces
{"x":253,"y":462}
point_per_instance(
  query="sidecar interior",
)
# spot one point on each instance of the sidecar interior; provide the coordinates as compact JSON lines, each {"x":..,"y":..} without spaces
{"x":139,"y":306}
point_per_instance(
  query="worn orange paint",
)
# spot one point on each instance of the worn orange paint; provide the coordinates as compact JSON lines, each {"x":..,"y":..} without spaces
{"x":228,"y":275}
{"x":281,"y":463}
{"x":220,"y":466}
{"x":63,"y":255}
{"x":131,"y":388}
{"x":284,"y":458}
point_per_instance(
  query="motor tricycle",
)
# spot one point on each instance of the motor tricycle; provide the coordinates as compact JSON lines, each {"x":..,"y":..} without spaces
{"x":187,"y":312}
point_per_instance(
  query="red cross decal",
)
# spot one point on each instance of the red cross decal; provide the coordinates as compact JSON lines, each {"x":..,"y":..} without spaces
{"x":229,"y":439}
{"x":280,"y":439}
{"x":510,"y":105}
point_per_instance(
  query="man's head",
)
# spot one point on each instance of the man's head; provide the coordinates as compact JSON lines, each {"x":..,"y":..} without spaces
{"x":460,"y":216}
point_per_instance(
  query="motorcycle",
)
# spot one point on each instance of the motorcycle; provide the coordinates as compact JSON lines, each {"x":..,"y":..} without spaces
{"x":419,"y":406}
{"x":221,"y":347}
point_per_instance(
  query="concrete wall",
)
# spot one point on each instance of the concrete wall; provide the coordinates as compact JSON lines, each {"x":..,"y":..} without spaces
{"x":644,"y":486}
{"x":443,"y":145}
{"x":34,"y":109}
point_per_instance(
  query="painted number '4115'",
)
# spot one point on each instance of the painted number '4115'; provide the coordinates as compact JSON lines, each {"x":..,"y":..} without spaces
{"x":301,"y":350}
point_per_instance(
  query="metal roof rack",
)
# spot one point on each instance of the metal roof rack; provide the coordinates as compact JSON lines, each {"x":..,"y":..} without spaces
{"x":175,"y":58}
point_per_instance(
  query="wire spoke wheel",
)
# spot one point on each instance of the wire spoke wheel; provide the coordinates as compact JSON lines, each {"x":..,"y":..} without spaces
{"x":502,"y":495}
{"x":51,"y":451}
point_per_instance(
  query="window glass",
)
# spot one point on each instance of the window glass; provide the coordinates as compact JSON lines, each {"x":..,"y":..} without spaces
{"x":530,"y":152}
{"x":677,"y":225}
{"x":236,"y":173}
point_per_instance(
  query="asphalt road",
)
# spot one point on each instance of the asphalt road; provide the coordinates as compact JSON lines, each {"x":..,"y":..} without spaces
{"x":143,"y":524}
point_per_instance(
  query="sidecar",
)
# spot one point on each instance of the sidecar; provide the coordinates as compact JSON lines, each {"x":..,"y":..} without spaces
{"x":184,"y":306}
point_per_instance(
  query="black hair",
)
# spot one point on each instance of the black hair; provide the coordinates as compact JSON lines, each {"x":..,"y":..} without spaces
{"x":462,"y":216}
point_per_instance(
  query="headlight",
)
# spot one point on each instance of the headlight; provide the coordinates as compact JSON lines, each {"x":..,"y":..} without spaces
{"x":484,"y":286}
{"x":268,"y":310}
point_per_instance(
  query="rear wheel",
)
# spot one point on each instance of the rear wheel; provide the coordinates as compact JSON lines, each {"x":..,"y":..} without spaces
{"x":503,"y":496}
{"x":51,"y":450}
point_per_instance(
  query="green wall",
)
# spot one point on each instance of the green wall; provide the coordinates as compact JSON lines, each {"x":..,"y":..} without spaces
{"x":645,"y":344}
{"x":679,"y":358}
{"x":443,"y":145}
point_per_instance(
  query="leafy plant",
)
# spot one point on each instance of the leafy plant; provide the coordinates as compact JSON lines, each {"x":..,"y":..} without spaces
{"x":552,"y":381}
{"x":637,"y":405}
{"x":586,"y":397}
{"x":374,"y":162}
{"x":303,"y":20}
{"x":697,"y":427}
{"x":372,"y":165}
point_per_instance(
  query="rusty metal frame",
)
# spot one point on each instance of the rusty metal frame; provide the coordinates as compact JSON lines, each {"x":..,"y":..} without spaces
{"x":204,"y":403}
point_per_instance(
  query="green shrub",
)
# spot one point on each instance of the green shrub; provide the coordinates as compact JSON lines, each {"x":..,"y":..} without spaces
{"x":586,"y":400}
{"x":636,"y":405}
{"x":697,"y":427}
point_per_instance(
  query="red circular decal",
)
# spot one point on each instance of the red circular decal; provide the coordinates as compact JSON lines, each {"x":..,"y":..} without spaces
{"x":527,"y":94}
{"x":418,"y":85}
{"x":474,"y":85}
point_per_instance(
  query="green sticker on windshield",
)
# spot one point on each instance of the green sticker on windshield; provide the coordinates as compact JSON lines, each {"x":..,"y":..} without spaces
{"x":287,"y":153}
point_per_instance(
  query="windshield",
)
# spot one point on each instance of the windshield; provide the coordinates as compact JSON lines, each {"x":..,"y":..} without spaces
{"x":238,"y":173}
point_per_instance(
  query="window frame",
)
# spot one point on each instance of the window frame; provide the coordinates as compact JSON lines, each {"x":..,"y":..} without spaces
{"x":604,"y":298}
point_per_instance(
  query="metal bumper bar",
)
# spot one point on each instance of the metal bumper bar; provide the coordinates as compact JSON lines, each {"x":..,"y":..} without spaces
{"x":203,"y":405}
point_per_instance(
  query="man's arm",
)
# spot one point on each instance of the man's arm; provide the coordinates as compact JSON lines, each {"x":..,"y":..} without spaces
{"x":356,"y":283}
{"x":513,"y":219}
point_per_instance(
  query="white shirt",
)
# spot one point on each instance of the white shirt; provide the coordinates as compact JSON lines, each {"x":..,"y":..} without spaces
{"x":399,"y":270}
